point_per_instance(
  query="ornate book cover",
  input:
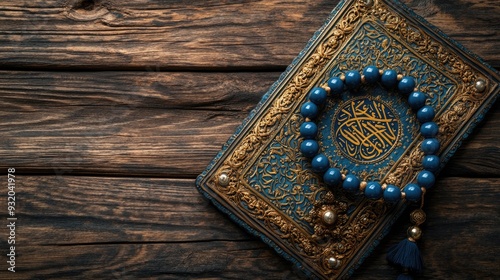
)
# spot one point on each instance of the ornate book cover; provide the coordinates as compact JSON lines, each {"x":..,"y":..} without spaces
{"x":321,"y":172}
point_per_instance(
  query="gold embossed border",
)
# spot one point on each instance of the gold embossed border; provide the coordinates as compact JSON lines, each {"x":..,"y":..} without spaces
{"x":254,"y":210}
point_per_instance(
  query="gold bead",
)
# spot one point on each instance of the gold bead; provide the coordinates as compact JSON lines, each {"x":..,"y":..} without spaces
{"x":368,"y":3}
{"x":414,"y":233}
{"x":342,"y":77}
{"x":363,"y":79}
{"x":327,"y":89}
{"x":400,"y":77}
{"x":362,"y":185}
{"x":480,"y":85}
{"x":333,"y":262}
{"x":329,"y":217}
{"x":343,"y":176}
{"x":223,"y":180}
{"x":307,"y":119}
{"x":381,"y":72}
{"x":384,"y":186}
{"x":403,"y":195}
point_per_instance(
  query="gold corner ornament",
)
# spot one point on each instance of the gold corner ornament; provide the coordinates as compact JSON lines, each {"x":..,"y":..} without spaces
{"x":263,"y":180}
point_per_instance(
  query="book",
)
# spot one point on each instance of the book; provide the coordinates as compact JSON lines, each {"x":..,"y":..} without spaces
{"x":371,"y":133}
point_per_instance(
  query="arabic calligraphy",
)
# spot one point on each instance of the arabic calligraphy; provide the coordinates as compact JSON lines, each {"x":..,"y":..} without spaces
{"x":366,"y":130}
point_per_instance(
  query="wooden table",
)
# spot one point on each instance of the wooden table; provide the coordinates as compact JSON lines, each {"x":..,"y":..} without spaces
{"x":110,"y":109}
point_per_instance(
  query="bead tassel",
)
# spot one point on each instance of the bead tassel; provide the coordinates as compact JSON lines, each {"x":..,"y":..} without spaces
{"x":407,"y":255}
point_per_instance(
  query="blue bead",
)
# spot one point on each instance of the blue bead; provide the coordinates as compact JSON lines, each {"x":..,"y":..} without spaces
{"x":332,"y":177}
{"x":416,"y":100}
{"x":352,"y":79}
{"x":371,"y":74}
{"x":392,"y":194}
{"x":429,"y":129}
{"x":320,"y":163}
{"x":430,"y":146}
{"x":336,"y":85}
{"x":309,"y":110}
{"x":308,"y":130}
{"x":426,"y":179}
{"x":351,"y":183}
{"x":373,"y":190}
{"x":309,"y":148}
{"x":431,"y":163}
{"x":318,"y":96}
{"x":425,"y":114}
{"x":389,"y":78}
{"x":413,"y":192}
{"x":406,"y":85}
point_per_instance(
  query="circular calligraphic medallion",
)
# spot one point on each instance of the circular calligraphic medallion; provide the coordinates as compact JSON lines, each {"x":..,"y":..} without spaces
{"x":365,"y":130}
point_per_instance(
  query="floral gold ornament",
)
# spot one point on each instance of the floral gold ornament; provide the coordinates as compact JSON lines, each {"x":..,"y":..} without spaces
{"x":407,"y":99}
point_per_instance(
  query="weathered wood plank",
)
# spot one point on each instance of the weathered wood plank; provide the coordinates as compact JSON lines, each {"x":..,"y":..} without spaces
{"x":247,"y":34}
{"x":181,"y":119}
{"x":198,"y":260}
{"x":151,"y":124}
{"x":117,"y":210}
{"x":28,"y":91}
{"x":95,"y":227}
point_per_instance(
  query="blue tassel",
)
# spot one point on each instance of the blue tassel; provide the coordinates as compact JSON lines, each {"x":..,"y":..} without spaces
{"x":404,"y":276}
{"x":406,"y":255}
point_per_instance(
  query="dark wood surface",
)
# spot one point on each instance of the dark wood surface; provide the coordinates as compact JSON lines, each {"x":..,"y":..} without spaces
{"x":110,"y":109}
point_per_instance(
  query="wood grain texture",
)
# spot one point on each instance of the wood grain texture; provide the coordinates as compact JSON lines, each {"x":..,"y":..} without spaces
{"x":107,"y":34}
{"x":152,"y":123}
{"x":128,"y":228}
{"x":109,"y":109}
